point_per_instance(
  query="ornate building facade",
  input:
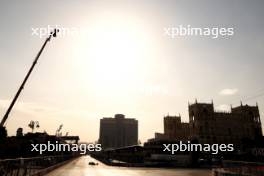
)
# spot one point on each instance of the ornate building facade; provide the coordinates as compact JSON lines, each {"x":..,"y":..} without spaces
{"x":175,"y":129}
{"x":209,"y":126}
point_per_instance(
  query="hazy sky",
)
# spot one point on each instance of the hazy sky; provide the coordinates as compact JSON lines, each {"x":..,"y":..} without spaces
{"x":122,"y":62}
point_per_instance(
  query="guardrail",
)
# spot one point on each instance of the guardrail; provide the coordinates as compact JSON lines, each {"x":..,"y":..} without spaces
{"x":243,"y":171}
{"x":30,"y":166}
{"x":241,"y":168}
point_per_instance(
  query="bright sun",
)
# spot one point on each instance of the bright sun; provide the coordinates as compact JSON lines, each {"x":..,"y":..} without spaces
{"x":114,"y":52}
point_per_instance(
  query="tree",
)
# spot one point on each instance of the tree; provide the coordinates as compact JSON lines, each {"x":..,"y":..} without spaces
{"x":33,"y":124}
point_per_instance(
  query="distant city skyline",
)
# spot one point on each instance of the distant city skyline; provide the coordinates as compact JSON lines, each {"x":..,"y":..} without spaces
{"x":124,"y":63}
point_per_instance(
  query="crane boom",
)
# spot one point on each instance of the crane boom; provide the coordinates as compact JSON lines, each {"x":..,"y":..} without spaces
{"x":52,"y":34}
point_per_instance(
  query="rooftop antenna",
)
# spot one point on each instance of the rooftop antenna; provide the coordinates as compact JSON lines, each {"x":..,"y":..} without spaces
{"x":52,"y":34}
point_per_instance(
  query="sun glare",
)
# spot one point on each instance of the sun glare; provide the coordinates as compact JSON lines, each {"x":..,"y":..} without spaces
{"x":113,"y":53}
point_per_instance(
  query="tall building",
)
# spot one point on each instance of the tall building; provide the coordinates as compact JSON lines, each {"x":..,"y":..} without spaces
{"x":210,"y":126}
{"x":118,"y":132}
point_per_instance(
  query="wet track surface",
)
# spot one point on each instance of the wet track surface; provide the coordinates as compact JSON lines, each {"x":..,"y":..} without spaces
{"x":80,"y":167}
